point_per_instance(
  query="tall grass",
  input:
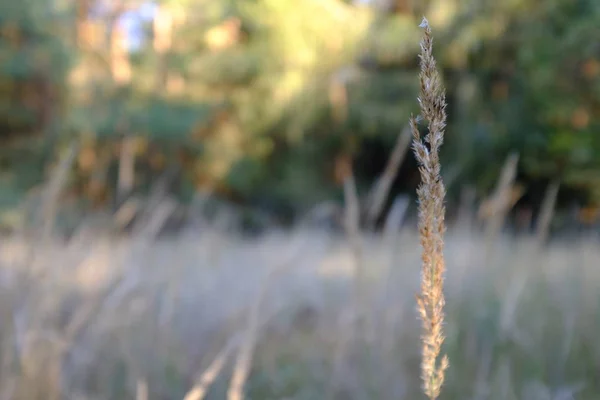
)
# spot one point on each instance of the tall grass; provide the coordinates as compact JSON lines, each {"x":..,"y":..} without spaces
{"x":207,"y":314}
{"x":514,"y":326}
{"x":431,"y":194}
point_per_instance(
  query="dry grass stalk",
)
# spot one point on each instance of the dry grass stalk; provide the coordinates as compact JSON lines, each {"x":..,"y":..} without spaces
{"x":198,"y":392}
{"x":499,"y":203}
{"x":379,"y":192}
{"x":465,"y":213}
{"x":502,"y":201}
{"x":211,"y":373}
{"x":362,"y":321}
{"x":395,"y":218}
{"x":547,"y":212}
{"x":54,"y":189}
{"x":126,"y":177}
{"x":243,"y":363}
{"x":389,"y":316}
{"x":141,"y":392}
{"x":352,"y":227}
{"x":431,"y":195}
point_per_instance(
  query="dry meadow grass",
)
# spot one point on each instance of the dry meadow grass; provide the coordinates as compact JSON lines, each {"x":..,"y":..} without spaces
{"x":432,"y":213}
{"x":210,"y":314}
{"x":105,"y":318}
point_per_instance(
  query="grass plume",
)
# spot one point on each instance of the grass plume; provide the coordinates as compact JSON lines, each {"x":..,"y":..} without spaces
{"x":431,"y":195}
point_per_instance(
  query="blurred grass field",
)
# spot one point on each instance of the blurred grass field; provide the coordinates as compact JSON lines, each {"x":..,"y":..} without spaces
{"x":157,"y":159}
{"x":100,"y":317}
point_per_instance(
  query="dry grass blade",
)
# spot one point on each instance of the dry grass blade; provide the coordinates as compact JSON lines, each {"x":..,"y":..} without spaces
{"x":54,"y":189}
{"x":501,"y":201}
{"x":465,"y":212}
{"x":198,"y":392}
{"x":431,"y":195}
{"x":352,"y":221}
{"x":210,"y":374}
{"x":547,"y":212}
{"x":126,"y":177}
{"x":381,"y":189}
{"x":395,"y":218}
{"x":141,"y":392}
{"x":243,"y":362}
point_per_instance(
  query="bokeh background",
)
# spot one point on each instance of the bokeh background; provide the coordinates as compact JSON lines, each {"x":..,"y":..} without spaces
{"x":263,"y":102}
{"x":161,"y":160}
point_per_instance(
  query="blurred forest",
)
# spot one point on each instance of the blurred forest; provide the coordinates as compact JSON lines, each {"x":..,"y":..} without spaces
{"x":266,"y":103}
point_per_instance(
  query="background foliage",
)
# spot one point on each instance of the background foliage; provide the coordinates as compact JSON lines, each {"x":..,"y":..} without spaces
{"x":260,"y":100}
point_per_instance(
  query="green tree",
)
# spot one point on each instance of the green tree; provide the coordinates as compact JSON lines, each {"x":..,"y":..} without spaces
{"x":34,"y":62}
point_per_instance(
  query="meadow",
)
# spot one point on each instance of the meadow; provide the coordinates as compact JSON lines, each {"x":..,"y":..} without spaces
{"x":304,"y":313}
{"x":101,"y":317}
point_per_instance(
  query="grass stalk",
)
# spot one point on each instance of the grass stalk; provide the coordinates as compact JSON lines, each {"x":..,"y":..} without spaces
{"x":502,"y":201}
{"x":431,"y":194}
{"x":379,"y":193}
{"x":547,"y":212}
{"x":245,"y":355}
{"x":352,"y":226}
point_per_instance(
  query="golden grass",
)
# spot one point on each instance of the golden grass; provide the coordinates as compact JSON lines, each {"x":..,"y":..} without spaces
{"x":431,"y":194}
